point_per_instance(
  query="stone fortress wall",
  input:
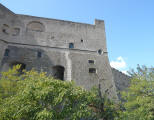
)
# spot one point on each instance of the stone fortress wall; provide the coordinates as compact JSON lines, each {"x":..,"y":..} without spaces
{"x":67,"y":50}
{"x":122,"y":81}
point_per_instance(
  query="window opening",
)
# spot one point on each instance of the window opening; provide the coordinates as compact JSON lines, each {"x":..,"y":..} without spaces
{"x":82,"y":40}
{"x":7,"y":51}
{"x":71,"y":45}
{"x":39,"y":54}
{"x":91,"y":61}
{"x":100,"y":51}
{"x":92,"y":70}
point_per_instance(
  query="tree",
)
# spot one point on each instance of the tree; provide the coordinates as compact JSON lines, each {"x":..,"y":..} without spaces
{"x":8,"y":82}
{"x":139,"y":98}
{"x":41,"y":97}
{"x":36,"y":96}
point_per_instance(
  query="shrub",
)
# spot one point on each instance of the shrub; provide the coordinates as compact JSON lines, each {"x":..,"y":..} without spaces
{"x":139,"y":99}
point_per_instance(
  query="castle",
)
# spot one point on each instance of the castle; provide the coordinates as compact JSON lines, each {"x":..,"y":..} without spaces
{"x":66,"y":50}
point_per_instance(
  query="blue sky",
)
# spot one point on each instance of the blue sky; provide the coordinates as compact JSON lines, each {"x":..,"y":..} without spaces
{"x":129,"y":24}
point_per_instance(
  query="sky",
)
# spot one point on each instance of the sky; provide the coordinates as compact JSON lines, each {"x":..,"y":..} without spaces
{"x":129,"y":24}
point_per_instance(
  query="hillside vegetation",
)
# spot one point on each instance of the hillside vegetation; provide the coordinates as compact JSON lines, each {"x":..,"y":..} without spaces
{"x":36,"y":96}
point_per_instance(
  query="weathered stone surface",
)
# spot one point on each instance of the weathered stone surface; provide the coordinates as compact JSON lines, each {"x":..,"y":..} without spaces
{"x":122,"y":81}
{"x":43,"y":44}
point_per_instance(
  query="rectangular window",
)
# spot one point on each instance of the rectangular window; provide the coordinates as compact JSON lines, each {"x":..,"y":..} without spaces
{"x":39,"y":54}
{"x":92,"y":70}
{"x":71,"y":45}
{"x":7,"y":51}
{"x":91,"y":61}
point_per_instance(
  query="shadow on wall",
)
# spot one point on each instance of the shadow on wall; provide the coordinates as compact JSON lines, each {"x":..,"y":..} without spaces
{"x":31,"y":58}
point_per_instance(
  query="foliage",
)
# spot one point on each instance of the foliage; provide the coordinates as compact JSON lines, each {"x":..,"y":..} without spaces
{"x":42,"y":98}
{"x":105,"y":108}
{"x":35,"y":96}
{"x":139,"y":99}
{"x":8,"y":82}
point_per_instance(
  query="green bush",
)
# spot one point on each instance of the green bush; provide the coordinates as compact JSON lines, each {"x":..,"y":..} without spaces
{"x":8,"y":82}
{"x":35,"y":96}
{"x":139,"y":98}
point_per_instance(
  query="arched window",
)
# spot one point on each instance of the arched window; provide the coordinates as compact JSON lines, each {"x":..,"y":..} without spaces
{"x":58,"y":72}
{"x":36,"y":26}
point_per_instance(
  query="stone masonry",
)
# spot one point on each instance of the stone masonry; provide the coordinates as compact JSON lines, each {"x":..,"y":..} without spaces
{"x":66,"y":50}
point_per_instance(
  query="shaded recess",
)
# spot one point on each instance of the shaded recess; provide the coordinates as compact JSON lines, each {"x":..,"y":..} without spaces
{"x":58,"y":72}
{"x":22,"y":66}
{"x":5,"y":29}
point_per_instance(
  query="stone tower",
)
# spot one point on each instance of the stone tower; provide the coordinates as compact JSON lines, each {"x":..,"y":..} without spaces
{"x":67,"y":50}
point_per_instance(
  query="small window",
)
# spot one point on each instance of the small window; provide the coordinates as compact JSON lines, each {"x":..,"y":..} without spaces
{"x":39,"y":54}
{"x":100,"y":51}
{"x":7,"y":51}
{"x":4,"y":31}
{"x":92,"y":70}
{"x":91,"y":61}
{"x":82,"y":40}
{"x":71,"y":45}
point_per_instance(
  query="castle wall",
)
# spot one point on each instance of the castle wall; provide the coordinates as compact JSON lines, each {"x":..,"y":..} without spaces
{"x":122,"y":81}
{"x":102,"y":77}
{"x":43,"y":43}
{"x":3,"y":46}
{"x":29,"y":56}
{"x":75,"y":63}
{"x":54,"y":33}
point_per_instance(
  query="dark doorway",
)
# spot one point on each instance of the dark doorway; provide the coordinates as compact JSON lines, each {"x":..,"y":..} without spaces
{"x":58,"y":72}
{"x":22,"y":66}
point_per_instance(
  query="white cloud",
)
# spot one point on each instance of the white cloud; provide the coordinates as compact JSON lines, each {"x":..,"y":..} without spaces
{"x":125,"y":72}
{"x":119,"y":63}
